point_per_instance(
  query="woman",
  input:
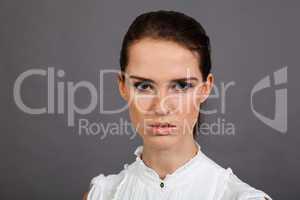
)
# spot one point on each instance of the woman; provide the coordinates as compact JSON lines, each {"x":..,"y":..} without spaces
{"x":165,"y":77}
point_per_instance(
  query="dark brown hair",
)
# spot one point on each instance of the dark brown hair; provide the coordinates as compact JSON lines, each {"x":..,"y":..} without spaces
{"x":171,"y":26}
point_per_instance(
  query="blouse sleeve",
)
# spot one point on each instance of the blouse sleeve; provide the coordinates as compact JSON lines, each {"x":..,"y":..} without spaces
{"x":237,"y":189}
{"x":96,"y":188}
{"x":103,"y":187}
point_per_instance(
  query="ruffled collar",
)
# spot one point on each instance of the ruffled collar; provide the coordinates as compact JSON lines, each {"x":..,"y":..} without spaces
{"x":178,"y":178}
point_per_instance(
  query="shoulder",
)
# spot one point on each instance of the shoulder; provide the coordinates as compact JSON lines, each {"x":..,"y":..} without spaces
{"x":229,"y":186}
{"x":104,"y":186}
{"x":235,"y":188}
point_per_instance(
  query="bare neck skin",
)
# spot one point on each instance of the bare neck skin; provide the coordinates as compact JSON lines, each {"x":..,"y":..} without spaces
{"x":167,"y":161}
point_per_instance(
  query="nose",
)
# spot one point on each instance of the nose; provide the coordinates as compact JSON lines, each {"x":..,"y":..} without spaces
{"x":160,"y":106}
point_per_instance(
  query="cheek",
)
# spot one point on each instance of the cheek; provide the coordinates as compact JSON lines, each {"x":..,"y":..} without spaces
{"x":138,"y":110}
{"x":188,"y":108}
{"x":142,"y":103}
{"x":187,"y":105}
{"x":135,"y":114}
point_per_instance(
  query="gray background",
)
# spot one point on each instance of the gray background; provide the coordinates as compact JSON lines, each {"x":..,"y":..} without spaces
{"x":43,"y":158}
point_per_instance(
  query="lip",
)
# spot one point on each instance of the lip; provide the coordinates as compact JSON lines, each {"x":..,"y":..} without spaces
{"x":162,"y":128}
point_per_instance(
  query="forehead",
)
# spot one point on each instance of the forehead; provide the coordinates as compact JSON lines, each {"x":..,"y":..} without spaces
{"x":161,"y":60}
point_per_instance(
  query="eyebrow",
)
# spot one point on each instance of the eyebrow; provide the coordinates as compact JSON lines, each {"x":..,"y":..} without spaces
{"x":173,"y":80}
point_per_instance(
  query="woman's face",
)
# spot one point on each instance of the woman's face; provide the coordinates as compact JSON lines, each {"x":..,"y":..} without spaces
{"x":163,"y":84}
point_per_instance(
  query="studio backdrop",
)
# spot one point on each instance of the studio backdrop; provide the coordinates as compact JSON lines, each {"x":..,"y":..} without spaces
{"x":63,"y":120}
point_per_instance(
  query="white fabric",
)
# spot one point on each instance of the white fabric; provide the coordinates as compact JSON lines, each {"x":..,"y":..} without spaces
{"x":198,"y":179}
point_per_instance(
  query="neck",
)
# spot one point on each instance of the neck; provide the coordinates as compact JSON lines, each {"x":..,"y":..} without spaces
{"x":166,"y":161}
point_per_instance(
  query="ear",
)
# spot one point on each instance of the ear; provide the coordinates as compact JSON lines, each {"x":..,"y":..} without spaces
{"x":206,"y":88}
{"x":122,"y":86}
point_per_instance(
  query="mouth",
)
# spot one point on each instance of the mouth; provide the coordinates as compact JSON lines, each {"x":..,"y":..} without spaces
{"x":160,"y":128}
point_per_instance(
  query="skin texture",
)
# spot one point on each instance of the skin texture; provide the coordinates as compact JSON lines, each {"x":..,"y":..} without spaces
{"x":164,"y":100}
{"x":162,"y":61}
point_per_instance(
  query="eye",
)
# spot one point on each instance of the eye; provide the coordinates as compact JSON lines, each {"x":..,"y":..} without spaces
{"x":182,"y":86}
{"x":143,"y":86}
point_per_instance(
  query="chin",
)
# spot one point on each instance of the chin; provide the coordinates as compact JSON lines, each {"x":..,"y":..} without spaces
{"x":161,"y":142}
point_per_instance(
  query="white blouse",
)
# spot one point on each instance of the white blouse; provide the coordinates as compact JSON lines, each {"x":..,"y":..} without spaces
{"x":198,"y":179}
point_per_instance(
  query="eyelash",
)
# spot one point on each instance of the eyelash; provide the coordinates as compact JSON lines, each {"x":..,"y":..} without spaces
{"x":137,"y":84}
{"x":188,"y":85}
{"x":143,"y":83}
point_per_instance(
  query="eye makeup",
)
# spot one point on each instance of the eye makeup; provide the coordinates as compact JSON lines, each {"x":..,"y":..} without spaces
{"x":177,"y":86}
